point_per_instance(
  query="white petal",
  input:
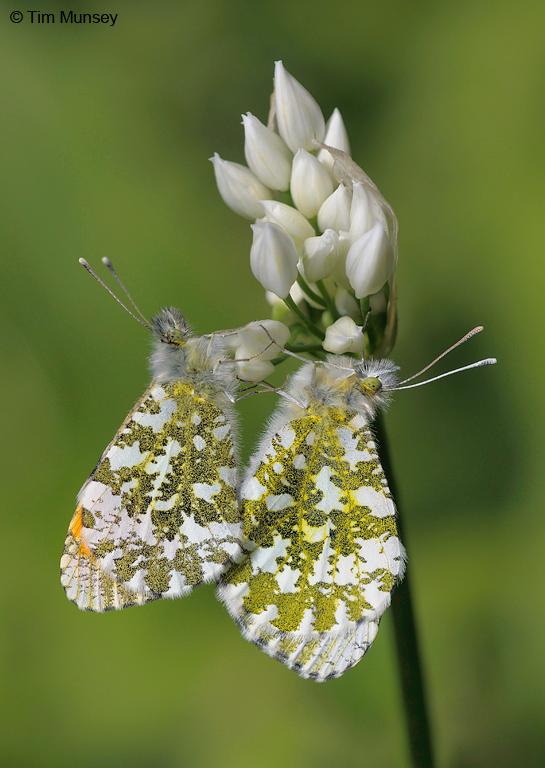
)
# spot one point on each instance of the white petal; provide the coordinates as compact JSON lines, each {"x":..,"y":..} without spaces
{"x":311,"y":183}
{"x":334,"y":212}
{"x":346,"y":304}
{"x":252,"y":368}
{"x":239,"y":188}
{"x":299,"y":118}
{"x":290,"y":219}
{"x":257,"y":341}
{"x":273,"y":258}
{"x":266,"y":154}
{"x":320,"y":255}
{"x":369,"y":261}
{"x":344,"y":336}
{"x":335,"y":136}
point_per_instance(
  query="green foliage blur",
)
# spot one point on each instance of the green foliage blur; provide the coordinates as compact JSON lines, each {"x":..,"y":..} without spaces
{"x":106,"y":135}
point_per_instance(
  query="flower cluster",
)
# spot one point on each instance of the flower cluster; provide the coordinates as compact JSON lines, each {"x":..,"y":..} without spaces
{"x":324,"y":238}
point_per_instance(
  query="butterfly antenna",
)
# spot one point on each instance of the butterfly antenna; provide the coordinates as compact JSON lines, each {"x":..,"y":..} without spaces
{"x":110,"y":267}
{"x":469,"y":335}
{"x":85,"y":264}
{"x":478,"y":364}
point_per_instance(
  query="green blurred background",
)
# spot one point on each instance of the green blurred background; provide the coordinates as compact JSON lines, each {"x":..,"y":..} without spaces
{"x":105,"y":138}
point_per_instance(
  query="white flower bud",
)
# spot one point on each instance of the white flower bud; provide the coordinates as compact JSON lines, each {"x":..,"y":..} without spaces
{"x":334,"y":212}
{"x":296,"y":294}
{"x":361,"y":211}
{"x":346,"y":304}
{"x":335,"y":136}
{"x":339,"y":272}
{"x":344,"y":336}
{"x":320,"y":255}
{"x":258,"y":341}
{"x":311,"y":183}
{"x":266,"y":154}
{"x":290,"y":219}
{"x":369,"y":262}
{"x":239,"y":188}
{"x":273,"y":258}
{"x":252,"y":368}
{"x":299,"y":118}
{"x":365,"y":211}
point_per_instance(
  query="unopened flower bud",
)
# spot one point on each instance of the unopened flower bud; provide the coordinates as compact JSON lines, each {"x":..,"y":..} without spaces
{"x":335,"y":136}
{"x":362,"y":211}
{"x":273,"y":258}
{"x":252,"y":368}
{"x":339,"y":271}
{"x":334,"y":212}
{"x":264,"y":338}
{"x":369,"y":261}
{"x":239,"y":188}
{"x":346,"y":304}
{"x":311,"y":183}
{"x":266,"y":154}
{"x":299,"y":118}
{"x":290,"y":219}
{"x":344,"y":336}
{"x":279,"y":310}
{"x":320,"y":255}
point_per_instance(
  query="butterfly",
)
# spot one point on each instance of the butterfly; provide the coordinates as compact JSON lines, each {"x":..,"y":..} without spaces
{"x":319,"y":521}
{"x":159,"y":514}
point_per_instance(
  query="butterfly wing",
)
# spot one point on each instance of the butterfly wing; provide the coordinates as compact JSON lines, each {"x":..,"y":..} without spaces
{"x":159,"y":514}
{"x":324,"y":551}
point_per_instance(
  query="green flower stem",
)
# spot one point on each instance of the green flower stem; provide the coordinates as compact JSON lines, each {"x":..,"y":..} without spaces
{"x":308,"y":323}
{"x":304,"y":347}
{"x":364,"y":307}
{"x":327,"y":298}
{"x":305,"y":287}
{"x":406,"y":640}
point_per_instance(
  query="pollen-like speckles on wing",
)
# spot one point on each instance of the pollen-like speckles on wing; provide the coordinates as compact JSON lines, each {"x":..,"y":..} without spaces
{"x":324,"y":550}
{"x":160,"y":513}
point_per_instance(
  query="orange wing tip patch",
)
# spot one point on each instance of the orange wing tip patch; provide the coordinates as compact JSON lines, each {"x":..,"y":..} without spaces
{"x":75,"y":528}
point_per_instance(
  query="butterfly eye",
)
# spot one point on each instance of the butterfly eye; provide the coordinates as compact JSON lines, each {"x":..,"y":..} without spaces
{"x":371,"y":385}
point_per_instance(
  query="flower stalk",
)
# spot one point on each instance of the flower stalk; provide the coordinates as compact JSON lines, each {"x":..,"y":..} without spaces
{"x":411,"y":675}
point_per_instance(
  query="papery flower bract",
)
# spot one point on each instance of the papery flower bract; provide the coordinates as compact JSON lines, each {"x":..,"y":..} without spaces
{"x":239,"y":188}
{"x":299,"y":118}
{"x":369,"y":261}
{"x":334,"y":212}
{"x":266,"y":154}
{"x":346,"y":304}
{"x":319,"y":255}
{"x":273,"y":258}
{"x":311,"y":183}
{"x":378,"y":302}
{"x":335,"y":136}
{"x":290,"y":219}
{"x":344,"y":336}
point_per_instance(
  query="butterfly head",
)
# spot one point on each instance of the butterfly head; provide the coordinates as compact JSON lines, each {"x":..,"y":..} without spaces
{"x":170,"y":327}
{"x":375,"y":378}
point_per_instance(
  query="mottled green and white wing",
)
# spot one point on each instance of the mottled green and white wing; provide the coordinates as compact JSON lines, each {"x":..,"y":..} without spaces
{"x":159,"y":515}
{"x":320,"y":525}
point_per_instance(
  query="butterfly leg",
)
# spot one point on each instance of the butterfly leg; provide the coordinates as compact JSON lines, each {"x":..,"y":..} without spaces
{"x":296,"y":356}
